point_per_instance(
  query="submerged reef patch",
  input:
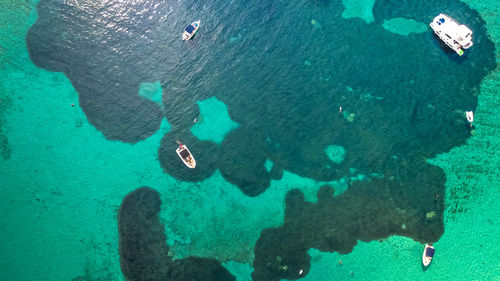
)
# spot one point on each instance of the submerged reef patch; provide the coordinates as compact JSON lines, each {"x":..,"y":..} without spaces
{"x":404,"y":26}
{"x":144,"y":253}
{"x":335,"y":153}
{"x":74,"y":37}
{"x":404,"y":203}
{"x":359,"y":9}
{"x":5,"y":103}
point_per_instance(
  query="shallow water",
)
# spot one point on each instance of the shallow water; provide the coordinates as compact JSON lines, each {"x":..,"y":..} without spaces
{"x":265,"y":82}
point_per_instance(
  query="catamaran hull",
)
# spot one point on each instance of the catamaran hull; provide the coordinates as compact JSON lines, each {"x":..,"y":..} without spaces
{"x":456,"y":36}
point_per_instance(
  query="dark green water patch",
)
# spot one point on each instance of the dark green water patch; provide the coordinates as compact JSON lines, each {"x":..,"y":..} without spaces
{"x":144,"y":253}
{"x":5,"y":103}
{"x":408,"y":202}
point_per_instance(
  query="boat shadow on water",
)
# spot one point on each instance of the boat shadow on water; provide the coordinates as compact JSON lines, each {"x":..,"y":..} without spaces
{"x":425,"y":268}
{"x":448,"y":51}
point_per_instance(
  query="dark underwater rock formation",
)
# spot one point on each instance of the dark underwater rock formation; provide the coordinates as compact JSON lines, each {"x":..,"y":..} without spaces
{"x":143,"y":248}
{"x":5,"y":103}
{"x":368,"y":210}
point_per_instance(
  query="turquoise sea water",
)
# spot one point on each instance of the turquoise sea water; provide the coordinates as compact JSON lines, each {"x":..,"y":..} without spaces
{"x":256,"y":92}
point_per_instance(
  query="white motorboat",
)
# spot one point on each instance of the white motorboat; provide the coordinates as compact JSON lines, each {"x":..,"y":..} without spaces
{"x":470,"y":116}
{"x":428,"y":254}
{"x":190,"y":30}
{"x":186,"y":156}
{"x":457,"y":36}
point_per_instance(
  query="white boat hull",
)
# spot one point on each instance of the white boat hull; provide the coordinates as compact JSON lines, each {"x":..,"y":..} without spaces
{"x":470,"y":116}
{"x":188,"y":35}
{"x":426,"y":260}
{"x":188,"y":160}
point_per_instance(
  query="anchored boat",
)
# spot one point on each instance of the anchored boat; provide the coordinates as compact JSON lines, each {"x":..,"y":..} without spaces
{"x":470,"y":116}
{"x":190,"y":30}
{"x":186,"y":156}
{"x":428,"y":254}
{"x":457,"y":36}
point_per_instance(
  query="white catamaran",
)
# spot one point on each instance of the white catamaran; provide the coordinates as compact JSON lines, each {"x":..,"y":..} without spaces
{"x":456,"y":36}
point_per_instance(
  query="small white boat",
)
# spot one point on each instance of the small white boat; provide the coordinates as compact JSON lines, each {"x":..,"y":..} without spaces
{"x":456,"y":36}
{"x":470,"y":116}
{"x":186,"y":156}
{"x":428,"y":254}
{"x":190,"y":30}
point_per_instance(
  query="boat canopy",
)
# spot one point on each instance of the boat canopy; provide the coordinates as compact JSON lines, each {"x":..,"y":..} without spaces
{"x":184,"y":153}
{"x":429,"y":252}
{"x":190,"y":28}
